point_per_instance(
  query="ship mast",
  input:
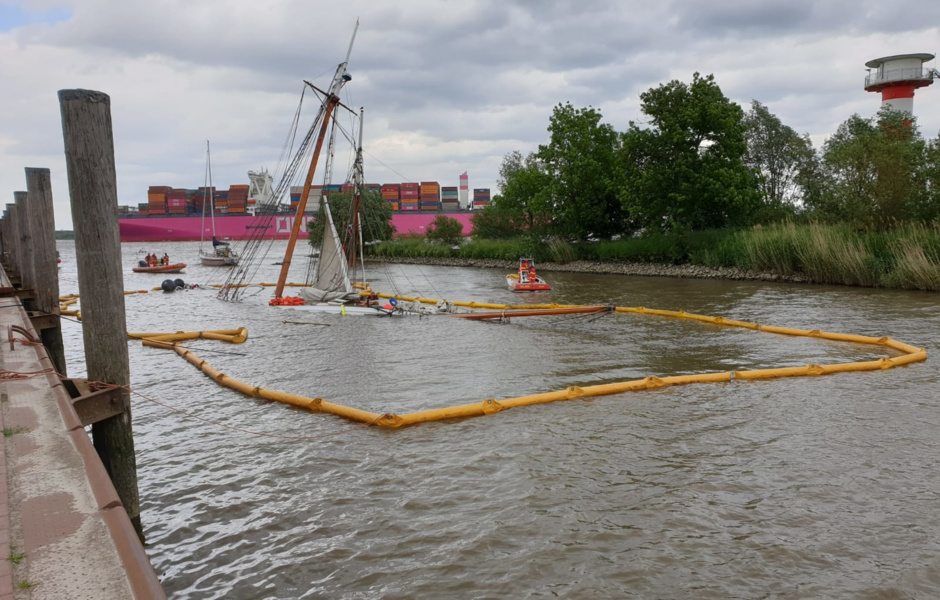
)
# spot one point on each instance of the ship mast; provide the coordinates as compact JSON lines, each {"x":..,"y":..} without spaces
{"x":356,"y":238}
{"x":323,"y":117}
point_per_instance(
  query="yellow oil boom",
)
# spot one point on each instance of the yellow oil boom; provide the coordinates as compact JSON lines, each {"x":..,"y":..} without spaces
{"x":909,"y":354}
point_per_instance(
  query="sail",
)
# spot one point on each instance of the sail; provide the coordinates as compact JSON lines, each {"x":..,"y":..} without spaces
{"x":332,"y":281}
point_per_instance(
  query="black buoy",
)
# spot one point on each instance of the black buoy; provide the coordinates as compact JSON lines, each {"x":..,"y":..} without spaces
{"x":179,"y":283}
{"x":168,"y":285}
{"x":142,"y":263}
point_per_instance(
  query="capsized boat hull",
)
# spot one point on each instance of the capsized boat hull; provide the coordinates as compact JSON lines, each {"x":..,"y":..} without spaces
{"x":218,"y":261}
{"x":539,"y":285}
{"x":174,"y":268}
{"x":344,"y":309}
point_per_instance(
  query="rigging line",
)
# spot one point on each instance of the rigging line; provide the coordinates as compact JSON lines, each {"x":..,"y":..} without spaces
{"x":390,"y":168}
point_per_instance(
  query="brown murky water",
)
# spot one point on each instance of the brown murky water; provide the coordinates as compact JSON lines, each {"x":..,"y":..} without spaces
{"x":797,"y":488}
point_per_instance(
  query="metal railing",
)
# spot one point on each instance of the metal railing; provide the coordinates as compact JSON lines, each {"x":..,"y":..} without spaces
{"x":908,"y":74}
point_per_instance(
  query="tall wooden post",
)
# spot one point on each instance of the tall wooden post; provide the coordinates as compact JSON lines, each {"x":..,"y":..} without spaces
{"x":89,"y":158}
{"x":45,"y":260}
{"x":24,"y":255}
{"x":10,"y":252}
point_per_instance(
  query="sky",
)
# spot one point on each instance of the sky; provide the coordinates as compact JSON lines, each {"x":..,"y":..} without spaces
{"x":447,"y":85}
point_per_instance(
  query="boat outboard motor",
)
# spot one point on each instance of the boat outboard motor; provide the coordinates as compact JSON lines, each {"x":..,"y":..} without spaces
{"x":142,"y":263}
{"x":179,"y":283}
{"x":168,"y":285}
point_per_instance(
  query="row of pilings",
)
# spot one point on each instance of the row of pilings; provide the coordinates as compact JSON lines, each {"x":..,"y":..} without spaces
{"x":27,"y":241}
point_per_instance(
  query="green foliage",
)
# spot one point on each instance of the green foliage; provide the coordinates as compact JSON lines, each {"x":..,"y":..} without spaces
{"x":907,"y":257}
{"x":494,"y":223}
{"x":525,"y":198}
{"x":445,"y":230}
{"x":374,"y":213}
{"x":583,"y":178}
{"x":779,"y":156}
{"x":875,"y":172}
{"x":687,"y":170}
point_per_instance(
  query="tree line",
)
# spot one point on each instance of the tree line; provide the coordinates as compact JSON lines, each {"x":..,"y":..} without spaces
{"x":700,"y":162}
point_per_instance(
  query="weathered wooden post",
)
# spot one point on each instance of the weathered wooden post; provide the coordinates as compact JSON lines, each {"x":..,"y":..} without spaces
{"x":89,"y":158}
{"x":22,"y":254}
{"x":45,"y":264}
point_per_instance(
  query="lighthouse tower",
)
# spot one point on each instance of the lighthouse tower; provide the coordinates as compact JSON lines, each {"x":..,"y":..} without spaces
{"x":896,"y":77}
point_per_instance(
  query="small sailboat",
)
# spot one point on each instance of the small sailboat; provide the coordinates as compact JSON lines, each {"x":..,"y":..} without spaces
{"x":221,"y":254}
{"x":526,"y":279}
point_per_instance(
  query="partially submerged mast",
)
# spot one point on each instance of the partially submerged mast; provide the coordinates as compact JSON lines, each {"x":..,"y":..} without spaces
{"x":325,"y":114}
{"x":355,"y":238}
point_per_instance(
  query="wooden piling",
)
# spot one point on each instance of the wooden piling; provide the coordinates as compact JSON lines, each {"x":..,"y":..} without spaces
{"x":45,"y":261}
{"x":23,"y":254}
{"x":89,"y":157}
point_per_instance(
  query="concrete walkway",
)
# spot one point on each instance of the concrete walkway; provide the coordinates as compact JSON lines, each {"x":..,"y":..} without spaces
{"x":63,"y":531}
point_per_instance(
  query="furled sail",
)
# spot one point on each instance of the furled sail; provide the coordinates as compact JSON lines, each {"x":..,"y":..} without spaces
{"x":332,"y":282}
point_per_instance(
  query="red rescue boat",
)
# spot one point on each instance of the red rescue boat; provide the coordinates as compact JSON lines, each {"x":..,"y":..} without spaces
{"x":527,"y":280}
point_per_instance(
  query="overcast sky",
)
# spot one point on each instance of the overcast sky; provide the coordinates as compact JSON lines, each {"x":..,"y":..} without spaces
{"x":448,"y":85}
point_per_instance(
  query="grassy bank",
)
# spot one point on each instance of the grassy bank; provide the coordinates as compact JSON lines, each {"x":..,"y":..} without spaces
{"x":907,"y":257}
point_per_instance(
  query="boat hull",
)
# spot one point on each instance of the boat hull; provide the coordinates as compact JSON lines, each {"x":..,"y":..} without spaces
{"x":539,"y":285}
{"x":190,"y":228}
{"x":174,"y":268}
{"x":343,"y":309}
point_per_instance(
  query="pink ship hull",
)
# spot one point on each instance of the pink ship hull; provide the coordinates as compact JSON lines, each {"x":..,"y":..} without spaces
{"x":231,"y":227}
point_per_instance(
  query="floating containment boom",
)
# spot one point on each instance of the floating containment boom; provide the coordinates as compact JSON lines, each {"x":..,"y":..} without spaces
{"x":910,"y":354}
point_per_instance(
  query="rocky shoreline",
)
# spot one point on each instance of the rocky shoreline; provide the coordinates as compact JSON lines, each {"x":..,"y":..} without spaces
{"x":613,"y":268}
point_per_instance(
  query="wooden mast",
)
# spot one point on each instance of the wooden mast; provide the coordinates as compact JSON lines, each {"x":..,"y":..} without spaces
{"x":330,"y":103}
{"x":302,"y":205}
{"x":357,"y":195}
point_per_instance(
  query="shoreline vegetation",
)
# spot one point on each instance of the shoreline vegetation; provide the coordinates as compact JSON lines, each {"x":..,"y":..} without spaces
{"x":906,"y":257}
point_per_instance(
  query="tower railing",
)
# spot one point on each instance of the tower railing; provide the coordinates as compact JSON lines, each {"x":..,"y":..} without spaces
{"x":909,"y":74}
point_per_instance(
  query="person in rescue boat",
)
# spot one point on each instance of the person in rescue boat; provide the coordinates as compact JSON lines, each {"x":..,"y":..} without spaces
{"x":532,"y":274}
{"x":166,"y":258}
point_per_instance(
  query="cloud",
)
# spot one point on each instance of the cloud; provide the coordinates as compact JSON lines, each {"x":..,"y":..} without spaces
{"x":447,"y":86}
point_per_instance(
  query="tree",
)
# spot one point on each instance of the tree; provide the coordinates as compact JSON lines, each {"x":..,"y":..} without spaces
{"x":686,"y":171}
{"x":525,"y":197}
{"x":375,"y":217}
{"x":580,"y":164}
{"x":778,"y":155}
{"x":445,"y":230}
{"x":875,"y":170}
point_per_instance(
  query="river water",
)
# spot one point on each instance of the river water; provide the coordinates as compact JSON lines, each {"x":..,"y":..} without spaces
{"x":794,"y":488}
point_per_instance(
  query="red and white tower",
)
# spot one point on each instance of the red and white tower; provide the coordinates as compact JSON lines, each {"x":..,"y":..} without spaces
{"x":896,"y":77}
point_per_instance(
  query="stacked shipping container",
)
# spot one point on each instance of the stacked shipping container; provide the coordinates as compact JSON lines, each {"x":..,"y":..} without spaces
{"x":156,"y":199}
{"x":391,"y":193}
{"x":449,"y":198}
{"x":430,"y":196}
{"x":409,"y":196}
{"x":237,"y":199}
{"x":481,"y":197}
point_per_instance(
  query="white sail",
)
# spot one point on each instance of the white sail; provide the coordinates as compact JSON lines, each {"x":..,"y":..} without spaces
{"x":332,"y":282}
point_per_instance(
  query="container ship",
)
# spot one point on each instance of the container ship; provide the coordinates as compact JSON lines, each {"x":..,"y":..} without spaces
{"x":177,"y":214}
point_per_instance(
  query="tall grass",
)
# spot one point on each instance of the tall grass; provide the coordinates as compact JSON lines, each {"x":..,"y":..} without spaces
{"x":906,"y":257}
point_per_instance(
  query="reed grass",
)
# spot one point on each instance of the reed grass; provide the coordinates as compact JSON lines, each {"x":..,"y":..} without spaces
{"x":905,"y":257}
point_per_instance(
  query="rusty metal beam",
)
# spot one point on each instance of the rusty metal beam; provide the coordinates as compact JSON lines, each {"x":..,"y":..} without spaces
{"x":93,"y":406}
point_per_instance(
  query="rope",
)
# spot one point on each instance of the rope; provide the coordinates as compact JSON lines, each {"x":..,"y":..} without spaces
{"x":18,"y":375}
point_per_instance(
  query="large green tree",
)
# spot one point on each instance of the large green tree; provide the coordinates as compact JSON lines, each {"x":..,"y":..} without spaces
{"x":779,"y":156}
{"x":525,"y":192}
{"x":875,"y":170}
{"x":579,"y":161}
{"x":686,"y":170}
